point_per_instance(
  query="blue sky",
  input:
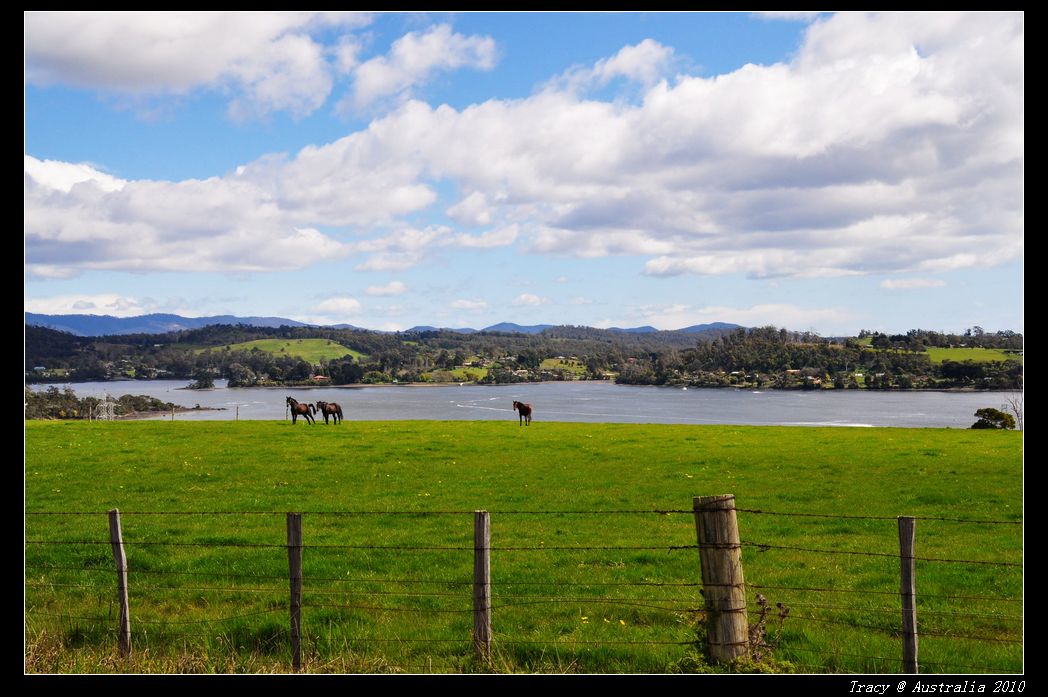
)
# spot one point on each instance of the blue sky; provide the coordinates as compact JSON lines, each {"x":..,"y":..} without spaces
{"x":822,"y":172}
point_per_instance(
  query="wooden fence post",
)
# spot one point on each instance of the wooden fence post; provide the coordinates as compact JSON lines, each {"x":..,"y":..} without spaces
{"x":723,"y":587}
{"x":294,"y":563}
{"x":116,"y":539}
{"x":482,"y":584}
{"x":908,"y":591}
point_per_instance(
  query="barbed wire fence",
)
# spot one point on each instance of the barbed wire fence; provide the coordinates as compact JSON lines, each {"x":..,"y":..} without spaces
{"x":706,"y":612}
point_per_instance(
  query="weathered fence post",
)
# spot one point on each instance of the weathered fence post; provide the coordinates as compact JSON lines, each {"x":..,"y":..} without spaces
{"x":908,"y":591}
{"x":482,"y":584}
{"x":720,"y":554}
{"x":116,"y":539}
{"x":294,"y":563}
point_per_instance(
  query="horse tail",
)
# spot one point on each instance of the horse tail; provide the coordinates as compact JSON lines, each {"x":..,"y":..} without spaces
{"x":312,"y":409}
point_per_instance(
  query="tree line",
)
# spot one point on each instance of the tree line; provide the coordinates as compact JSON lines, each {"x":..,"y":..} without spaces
{"x":54,"y":403}
{"x":758,"y":357}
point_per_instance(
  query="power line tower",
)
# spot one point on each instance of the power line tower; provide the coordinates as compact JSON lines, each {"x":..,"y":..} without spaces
{"x":106,"y":409}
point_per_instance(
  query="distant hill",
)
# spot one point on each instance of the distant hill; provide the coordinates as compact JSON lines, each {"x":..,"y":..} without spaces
{"x":519,"y":329}
{"x":107,"y":325}
{"x":646,"y":329}
{"x":429,"y":328}
{"x":712,"y":326}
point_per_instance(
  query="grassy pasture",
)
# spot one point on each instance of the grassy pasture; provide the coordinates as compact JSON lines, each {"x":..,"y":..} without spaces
{"x":978,"y":355}
{"x":576,"y":367}
{"x":215,"y":603}
{"x":312,"y":350}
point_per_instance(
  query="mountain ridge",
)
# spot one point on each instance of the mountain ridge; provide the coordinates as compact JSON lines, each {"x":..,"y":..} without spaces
{"x":160,"y":323}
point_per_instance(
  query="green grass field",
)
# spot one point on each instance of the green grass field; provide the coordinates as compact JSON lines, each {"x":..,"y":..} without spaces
{"x":204,"y":600}
{"x":312,"y":350}
{"x":564,"y":364}
{"x":979,"y":355}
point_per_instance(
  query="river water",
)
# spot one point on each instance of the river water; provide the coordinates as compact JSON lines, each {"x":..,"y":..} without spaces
{"x":575,"y":401}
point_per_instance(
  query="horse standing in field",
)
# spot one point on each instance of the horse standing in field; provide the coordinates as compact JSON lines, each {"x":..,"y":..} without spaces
{"x":297,"y":410}
{"x":331,"y":409}
{"x":524,"y":412}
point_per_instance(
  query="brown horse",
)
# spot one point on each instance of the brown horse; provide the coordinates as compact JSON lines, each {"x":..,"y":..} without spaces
{"x":331,"y":409}
{"x":300,"y":410}
{"x":524,"y":411}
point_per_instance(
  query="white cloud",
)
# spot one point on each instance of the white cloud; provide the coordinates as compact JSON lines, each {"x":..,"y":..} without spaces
{"x":909,"y":283}
{"x":470,"y":305}
{"x":47,"y":271}
{"x":63,"y":176}
{"x":529,"y":300}
{"x":112,"y":304}
{"x":273,"y":64}
{"x":581,"y":301}
{"x":473,"y":209}
{"x":500,"y":237}
{"x":218,"y":225}
{"x":346,"y":52}
{"x":406,"y":247}
{"x":644,"y":63}
{"x":889,"y":144}
{"x":391,"y":288}
{"x":99,"y":304}
{"x":414,"y":57}
{"x":788,"y":16}
{"x":339,"y":306}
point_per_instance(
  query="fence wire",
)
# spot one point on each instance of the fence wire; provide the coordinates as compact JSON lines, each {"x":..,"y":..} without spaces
{"x":328,"y":598}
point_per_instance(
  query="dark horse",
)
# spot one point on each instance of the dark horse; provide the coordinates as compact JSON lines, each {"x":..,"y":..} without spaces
{"x":331,"y":409}
{"x":297,"y":410}
{"x":524,"y":410}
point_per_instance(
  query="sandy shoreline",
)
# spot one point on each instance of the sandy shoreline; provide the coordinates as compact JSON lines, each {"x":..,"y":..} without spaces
{"x":151,"y":414}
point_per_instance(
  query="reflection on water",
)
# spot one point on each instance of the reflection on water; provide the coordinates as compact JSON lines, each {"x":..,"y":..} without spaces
{"x":575,"y":401}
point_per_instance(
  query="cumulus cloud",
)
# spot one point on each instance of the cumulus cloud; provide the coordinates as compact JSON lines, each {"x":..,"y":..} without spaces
{"x":888,"y":144}
{"x":788,"y":16}
{"x":500,"y":237}
{"x":224,"y":225}
{"x":414,"y":57}
{"x":406,"y":247}
{"x":274,"y":63}
{"x":62,"y":176}
{"x":529,"y":300}
{"x":909,"y":283}
{"x":470,"y":305}
{"x":391,"y":288}
{"x":112,"y":304}
{"x":644,"y":63}
{"x":339,"y":306}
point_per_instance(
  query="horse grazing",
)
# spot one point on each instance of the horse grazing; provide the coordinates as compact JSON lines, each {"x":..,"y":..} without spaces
{"x":524,"y":412}
{"x":331,"y":409}
{"x":297,"y":410}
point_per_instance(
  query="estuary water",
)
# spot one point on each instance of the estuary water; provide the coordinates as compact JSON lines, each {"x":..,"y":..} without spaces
{"x":573,"y":401}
